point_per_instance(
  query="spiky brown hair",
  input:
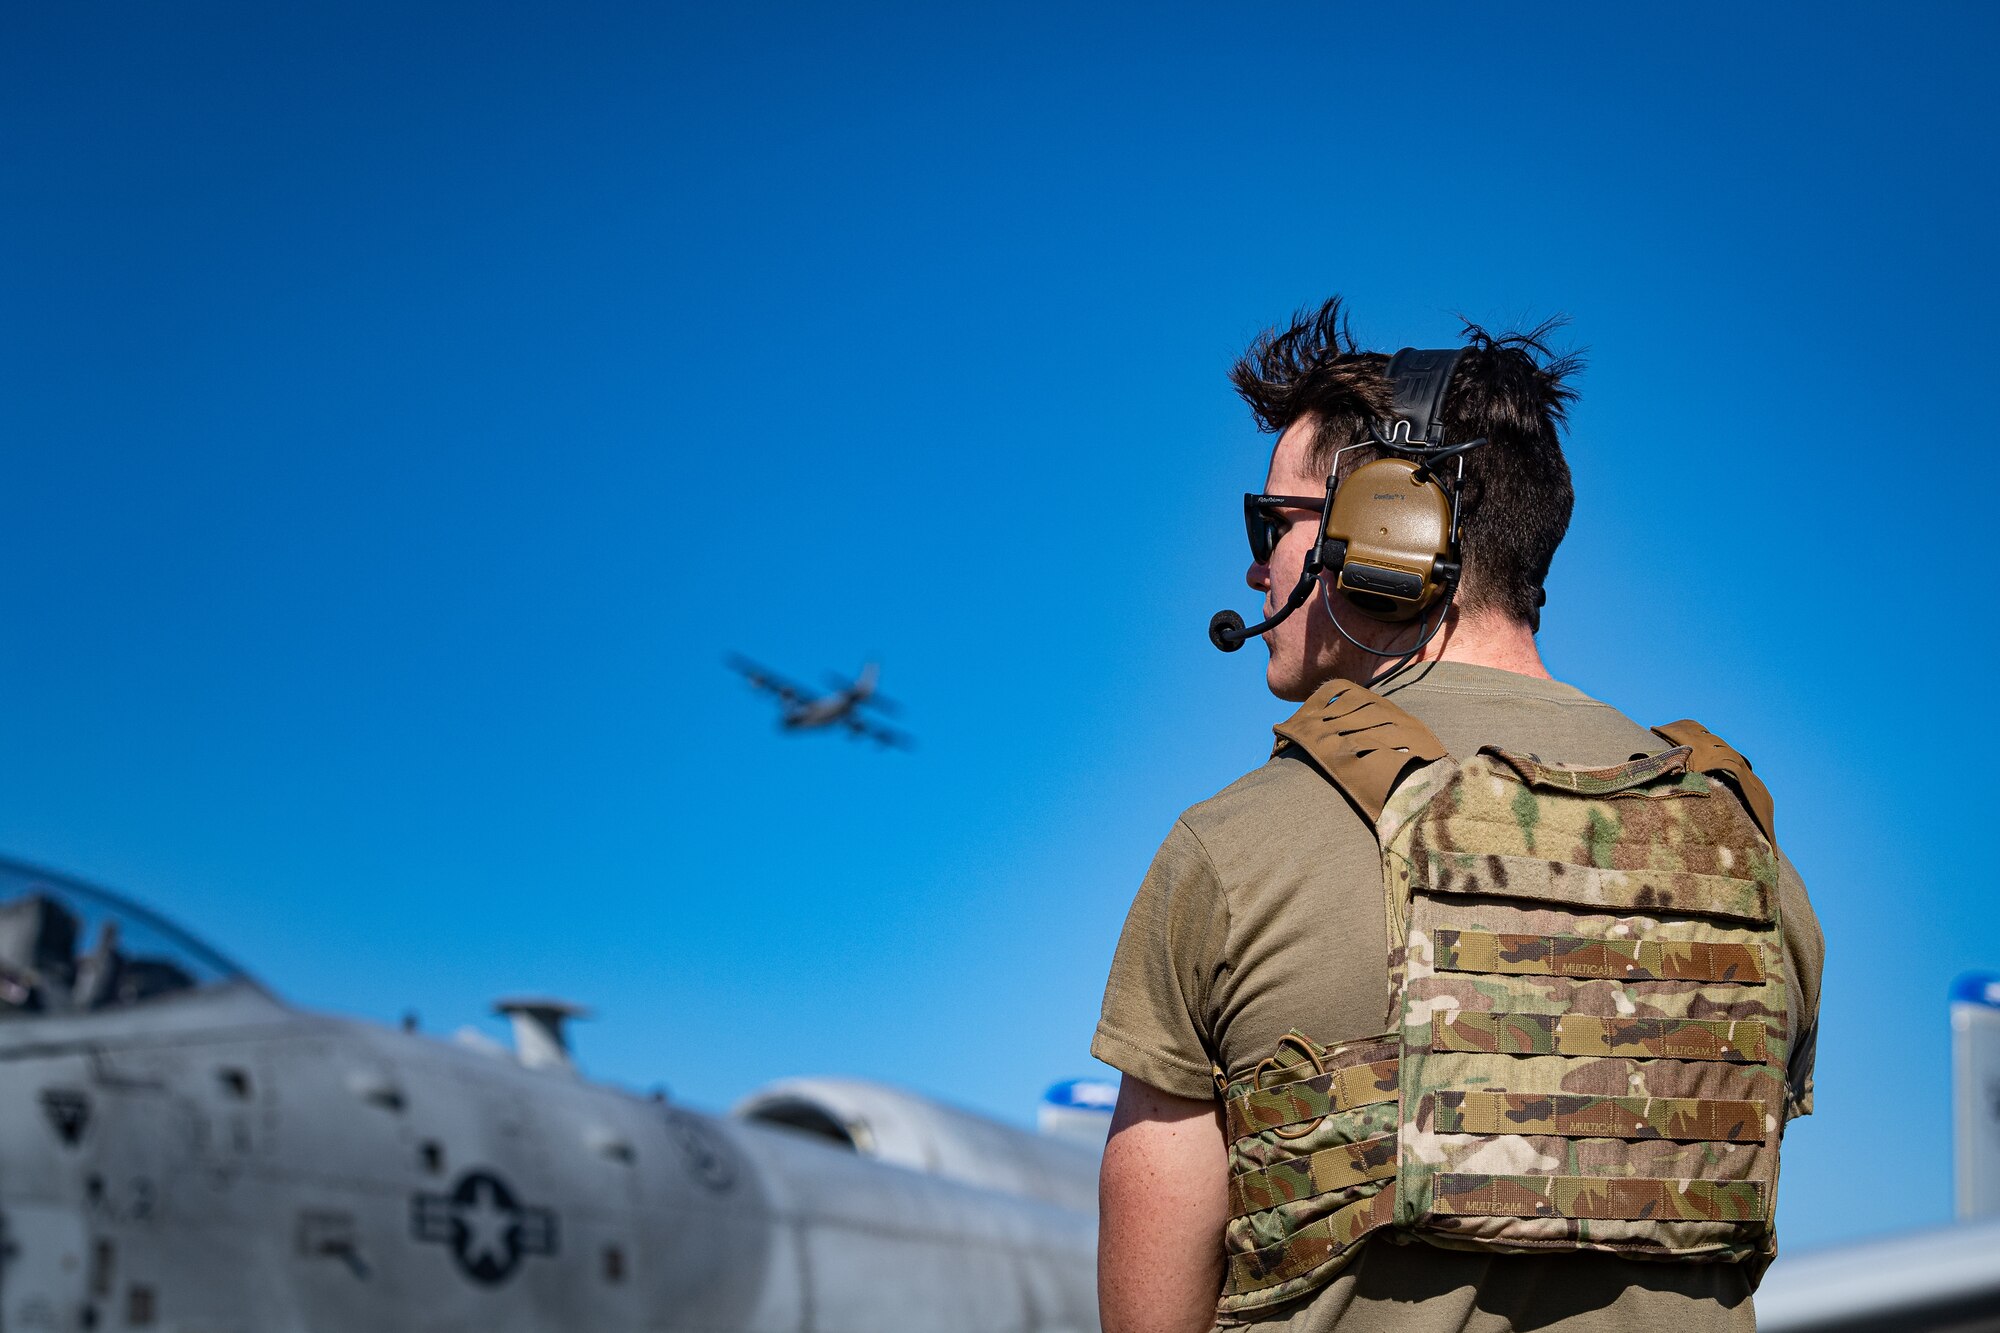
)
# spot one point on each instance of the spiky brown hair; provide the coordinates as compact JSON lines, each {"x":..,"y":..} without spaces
{"x":1511,"y":388}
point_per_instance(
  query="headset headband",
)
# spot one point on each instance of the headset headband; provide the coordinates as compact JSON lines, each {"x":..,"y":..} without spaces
{"x":1419,"y":379}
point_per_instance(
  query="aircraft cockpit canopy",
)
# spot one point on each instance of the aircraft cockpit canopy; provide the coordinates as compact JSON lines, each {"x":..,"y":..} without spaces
{"x":66,"y":948}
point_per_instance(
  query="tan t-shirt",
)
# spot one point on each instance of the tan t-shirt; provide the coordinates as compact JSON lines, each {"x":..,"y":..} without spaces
{"x":1263,"y":912}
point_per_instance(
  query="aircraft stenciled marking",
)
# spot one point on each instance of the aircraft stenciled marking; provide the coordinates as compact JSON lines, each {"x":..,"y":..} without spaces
{"x":105,"y":1200}
{"x":487,"y":1229}
{"x":703,"y":1152}
{"x":69,"y":1113}
{"x":38,"y":1313}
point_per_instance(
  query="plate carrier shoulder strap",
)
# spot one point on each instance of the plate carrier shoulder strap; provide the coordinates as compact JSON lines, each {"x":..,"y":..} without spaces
{"x":1362,"y":743}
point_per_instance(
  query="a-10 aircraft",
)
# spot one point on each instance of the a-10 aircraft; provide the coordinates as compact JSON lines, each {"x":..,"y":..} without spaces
{"x":180,"y":1150}
{"x":802,"y":710}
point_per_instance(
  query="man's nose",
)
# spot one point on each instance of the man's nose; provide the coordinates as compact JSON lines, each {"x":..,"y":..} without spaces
{"x":1258,"y":576}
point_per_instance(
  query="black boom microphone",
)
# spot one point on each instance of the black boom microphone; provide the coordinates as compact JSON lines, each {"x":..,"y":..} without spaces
{"x":1226,"y":629}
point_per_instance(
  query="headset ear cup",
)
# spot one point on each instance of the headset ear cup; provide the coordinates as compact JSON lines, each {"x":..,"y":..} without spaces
{"x":1391,"y":522}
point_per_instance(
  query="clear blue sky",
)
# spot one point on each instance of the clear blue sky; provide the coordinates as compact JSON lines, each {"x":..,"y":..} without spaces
{"x":405,"y":407}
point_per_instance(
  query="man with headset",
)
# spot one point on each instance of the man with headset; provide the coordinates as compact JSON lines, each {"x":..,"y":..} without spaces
{"x":1259,"y":946}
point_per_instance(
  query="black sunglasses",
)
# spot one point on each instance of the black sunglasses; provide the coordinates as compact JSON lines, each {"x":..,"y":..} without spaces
{"x":1265,"y":525}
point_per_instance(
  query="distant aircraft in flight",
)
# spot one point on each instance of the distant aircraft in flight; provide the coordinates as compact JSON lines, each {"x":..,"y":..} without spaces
{"x":802,"y":710}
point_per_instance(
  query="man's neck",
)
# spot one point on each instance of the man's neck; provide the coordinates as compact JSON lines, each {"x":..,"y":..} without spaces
{"x":1489,"y":640}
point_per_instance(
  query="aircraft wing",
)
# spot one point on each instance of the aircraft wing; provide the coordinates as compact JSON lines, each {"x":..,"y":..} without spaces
{"x":769,"y":681}
{"x":858,"y":727}
{"x":1941,"y":1281}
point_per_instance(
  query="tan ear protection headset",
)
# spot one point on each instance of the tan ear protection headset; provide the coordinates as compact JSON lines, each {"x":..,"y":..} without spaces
{"x":1389,"y":538}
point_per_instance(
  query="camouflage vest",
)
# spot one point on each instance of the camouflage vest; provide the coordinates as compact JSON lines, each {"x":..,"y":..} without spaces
{"x":1587,"y":1012}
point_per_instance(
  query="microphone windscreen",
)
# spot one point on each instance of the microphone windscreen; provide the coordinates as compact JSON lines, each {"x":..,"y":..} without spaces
{"x":1225,"y":631}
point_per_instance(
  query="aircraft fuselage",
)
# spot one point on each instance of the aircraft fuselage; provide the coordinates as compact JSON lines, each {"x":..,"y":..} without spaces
{"x":216,"y":1161}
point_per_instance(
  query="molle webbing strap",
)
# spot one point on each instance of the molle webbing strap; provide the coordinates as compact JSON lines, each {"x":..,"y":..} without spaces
{"x":1309,"y":1099}
{"x":1337,"y":1168}
{"x":1712,"y":755}
{"x":1588,"y":959}
{"x":1575,"y":1115}
{"x":1360,"y":741}
{"x":1594,"y":781}
{"x":1739,"y":1041}
{"x":1629,"y":1198}
{"x":1311,"y":1245}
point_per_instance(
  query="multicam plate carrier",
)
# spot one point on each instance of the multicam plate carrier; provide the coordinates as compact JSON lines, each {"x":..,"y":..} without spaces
{"x":1588,"y":996}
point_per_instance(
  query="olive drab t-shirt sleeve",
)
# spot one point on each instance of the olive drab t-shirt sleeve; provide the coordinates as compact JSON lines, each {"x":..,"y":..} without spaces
{"x":1154,"y":1024}
{"x":1807,"y":947}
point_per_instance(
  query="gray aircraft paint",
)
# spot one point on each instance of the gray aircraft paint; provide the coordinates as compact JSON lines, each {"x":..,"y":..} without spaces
{"x":1939,"y":1281}
{"x":214,"y":1160}
{"x":1975,"y":1049}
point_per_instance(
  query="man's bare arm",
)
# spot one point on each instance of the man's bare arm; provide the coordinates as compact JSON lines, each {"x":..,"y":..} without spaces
{"x":1163,"y":1198}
